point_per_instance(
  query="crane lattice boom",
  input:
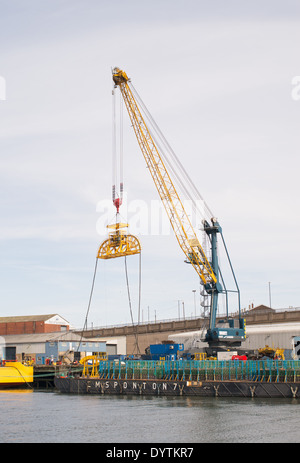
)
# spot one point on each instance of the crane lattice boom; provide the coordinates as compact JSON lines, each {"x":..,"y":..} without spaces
{"x":178,"y":217}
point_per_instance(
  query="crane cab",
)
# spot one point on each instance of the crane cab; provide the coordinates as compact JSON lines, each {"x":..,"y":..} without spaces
{"x":227,"y":332}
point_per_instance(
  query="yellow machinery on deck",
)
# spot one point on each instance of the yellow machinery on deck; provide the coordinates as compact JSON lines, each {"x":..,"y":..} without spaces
{"x":276,"y":354}
{"x":90,"y":364}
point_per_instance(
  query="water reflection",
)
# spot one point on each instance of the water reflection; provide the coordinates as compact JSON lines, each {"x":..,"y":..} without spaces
{"x":63,"y":418}
{"x":16,"y":391}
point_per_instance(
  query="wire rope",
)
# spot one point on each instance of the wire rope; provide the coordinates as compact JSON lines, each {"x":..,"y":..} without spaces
{"x":121,"y":147}
{"x":174,"y":164}
{"x":114,"y":147}
{"x":129,"y":300}
{"x":130,"y":305}
{"x":89,"y":304}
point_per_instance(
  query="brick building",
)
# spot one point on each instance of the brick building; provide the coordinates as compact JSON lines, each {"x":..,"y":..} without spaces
{"x":32,"y":324}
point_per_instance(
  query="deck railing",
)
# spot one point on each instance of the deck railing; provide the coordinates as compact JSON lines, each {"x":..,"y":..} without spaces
{"x":202,"y":370}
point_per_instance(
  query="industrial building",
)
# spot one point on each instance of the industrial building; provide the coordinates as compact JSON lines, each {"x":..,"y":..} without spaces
{"x":283,"y":336}
{"x":43,"y":348}
{"x":31,"y":324}
{"x":48,"y":338}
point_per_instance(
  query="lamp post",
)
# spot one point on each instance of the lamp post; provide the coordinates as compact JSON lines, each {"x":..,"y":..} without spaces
{"x":270,"y":295}
{"x":194,"y":291}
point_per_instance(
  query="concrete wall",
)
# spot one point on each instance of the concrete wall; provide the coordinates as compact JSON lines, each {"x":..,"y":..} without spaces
{"x":154,"y":333}
{"x":120,"y":343}
{"x":144,"y":340}
{"x":258,"y":336}
{"x":276,"y":336}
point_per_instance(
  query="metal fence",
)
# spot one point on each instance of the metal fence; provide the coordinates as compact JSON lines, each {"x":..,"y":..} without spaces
{"x":202,"y":370}
{"x":244,"y":312}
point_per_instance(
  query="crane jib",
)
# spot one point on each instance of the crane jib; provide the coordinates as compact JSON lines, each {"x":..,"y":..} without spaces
{"x":178,"y":217}
{"x":209,"y":272}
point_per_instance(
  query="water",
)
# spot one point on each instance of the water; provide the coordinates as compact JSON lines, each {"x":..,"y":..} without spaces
{"x":41,"y":417}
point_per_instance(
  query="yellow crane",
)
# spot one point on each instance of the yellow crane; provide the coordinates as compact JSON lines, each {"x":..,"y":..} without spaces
{"x":230,"y":332}
{"x":178,"y":217}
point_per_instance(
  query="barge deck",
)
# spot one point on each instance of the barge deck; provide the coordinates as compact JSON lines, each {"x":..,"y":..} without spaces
{"x":189,"y":378}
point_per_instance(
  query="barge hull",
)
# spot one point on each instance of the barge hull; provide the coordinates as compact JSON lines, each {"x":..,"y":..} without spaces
{"x":4,"y":386}
{"x":233,"y":388}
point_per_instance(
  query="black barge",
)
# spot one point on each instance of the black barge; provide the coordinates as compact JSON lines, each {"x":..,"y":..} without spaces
{"x":230,"y":388}
{"x":207,"y":378}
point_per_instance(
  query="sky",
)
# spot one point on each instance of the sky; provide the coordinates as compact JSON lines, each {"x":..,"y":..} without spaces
{"x":221,"y":80}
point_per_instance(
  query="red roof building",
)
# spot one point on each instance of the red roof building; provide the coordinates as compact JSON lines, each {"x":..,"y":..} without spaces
{"x":31,"y":324}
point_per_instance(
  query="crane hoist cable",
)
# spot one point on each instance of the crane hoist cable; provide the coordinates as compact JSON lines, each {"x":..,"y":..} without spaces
{"x":117,"y":155}
{"x":89,"y":304}
{"x":136,"y":345}
{"x":173,"y":163}
{"x":135,"y":327}
{"x":119,"y":243}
